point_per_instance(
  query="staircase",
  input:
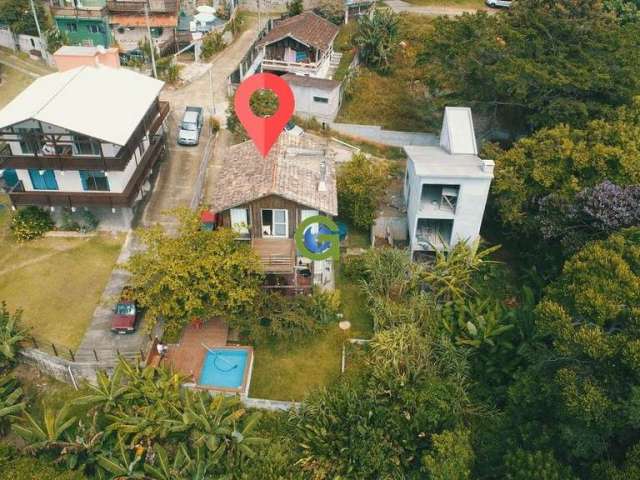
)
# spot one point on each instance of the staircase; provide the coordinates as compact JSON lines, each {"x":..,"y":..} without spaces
{"x":334,"y":62}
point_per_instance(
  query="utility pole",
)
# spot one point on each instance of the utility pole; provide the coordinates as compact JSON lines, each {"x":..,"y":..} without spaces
{"x":35,"y":17}
{"x":259,"y":22}
{"x":213,"y":104}
{"x":151,"y":45}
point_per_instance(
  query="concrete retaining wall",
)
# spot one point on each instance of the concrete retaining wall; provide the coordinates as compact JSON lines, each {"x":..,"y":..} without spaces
{"x":272,"y":405}
{"x":375,"y":133}
{"x":61,"y":369}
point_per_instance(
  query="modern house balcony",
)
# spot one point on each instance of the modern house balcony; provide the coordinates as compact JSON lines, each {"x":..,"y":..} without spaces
{"x":63,"y":159}
{"x":155,"y":6}
{"x":21,"y":197}
{"x":438,"y":201}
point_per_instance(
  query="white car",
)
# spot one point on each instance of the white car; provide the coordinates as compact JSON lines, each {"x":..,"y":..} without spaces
{"x":498,"y":3}
{"x":293,"y":130}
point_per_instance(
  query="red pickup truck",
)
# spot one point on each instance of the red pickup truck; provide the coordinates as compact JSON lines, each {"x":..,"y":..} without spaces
{"x":126,"y":313}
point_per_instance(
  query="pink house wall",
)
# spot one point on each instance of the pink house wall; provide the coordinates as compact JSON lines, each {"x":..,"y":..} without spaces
{"x":109,"y":58}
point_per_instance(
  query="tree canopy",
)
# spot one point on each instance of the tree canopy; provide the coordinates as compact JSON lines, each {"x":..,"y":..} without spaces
{"x":196,"y":273}
{"x":542,"y":63}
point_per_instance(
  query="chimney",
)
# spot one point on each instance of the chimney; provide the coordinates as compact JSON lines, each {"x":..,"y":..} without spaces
{"x":322,"y":184}
{"x":487,"y":166}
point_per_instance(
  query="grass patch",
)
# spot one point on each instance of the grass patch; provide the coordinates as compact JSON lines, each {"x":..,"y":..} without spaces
{"x":398,"y":100}
{"x":355,"y":238}
{"x":57,"y":282}
{"x":13,"y":82}
{"x":285,"y":371}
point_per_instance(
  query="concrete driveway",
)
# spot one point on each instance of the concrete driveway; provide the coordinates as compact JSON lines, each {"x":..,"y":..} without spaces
{"x":175,"y":183}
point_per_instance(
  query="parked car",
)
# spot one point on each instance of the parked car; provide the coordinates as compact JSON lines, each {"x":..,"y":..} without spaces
{"x":293,"y":130}
{"x":190,"y":126}
{"x":126,"y":314}
{"x":498,"y":3}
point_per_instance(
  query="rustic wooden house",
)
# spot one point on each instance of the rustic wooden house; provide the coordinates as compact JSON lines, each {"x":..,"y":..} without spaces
{"x":265,"y":199}
{"x":302,"y":44}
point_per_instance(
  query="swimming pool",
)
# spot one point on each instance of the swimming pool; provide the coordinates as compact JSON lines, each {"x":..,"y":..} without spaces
{"x":226,"y":368}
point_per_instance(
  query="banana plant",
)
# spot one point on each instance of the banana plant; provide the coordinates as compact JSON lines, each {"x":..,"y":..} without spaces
{"x":106,"y":393}
{"x":10,"y":404}
{"x":10,"y":335}
{"x":121,"y":463}
{"x":51,"y":430}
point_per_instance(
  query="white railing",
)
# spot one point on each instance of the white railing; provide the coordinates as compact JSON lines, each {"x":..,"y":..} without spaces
{"x":296,"y":65}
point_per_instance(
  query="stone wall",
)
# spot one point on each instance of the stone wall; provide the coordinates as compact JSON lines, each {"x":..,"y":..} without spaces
{"x":61,"y":369}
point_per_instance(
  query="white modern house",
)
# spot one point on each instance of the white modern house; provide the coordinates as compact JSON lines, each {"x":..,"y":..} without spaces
{"x":315,"y":97}
{"x":86,"y":138}
{"x":446,"y":187}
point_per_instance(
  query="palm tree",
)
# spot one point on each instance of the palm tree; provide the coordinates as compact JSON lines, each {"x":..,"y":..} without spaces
{"x":106,"y":393}
{"x":121,"y":462}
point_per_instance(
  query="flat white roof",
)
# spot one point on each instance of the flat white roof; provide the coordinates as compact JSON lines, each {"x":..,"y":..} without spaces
{"x":437,"y":162}
{"x":101,"y":102}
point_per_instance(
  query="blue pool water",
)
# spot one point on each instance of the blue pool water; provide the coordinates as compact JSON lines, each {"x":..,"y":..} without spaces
{"x":224,"y":368}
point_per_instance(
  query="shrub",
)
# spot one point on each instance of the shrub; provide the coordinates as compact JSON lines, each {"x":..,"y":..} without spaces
{"x":212,"y":44}
{"x":30,"y":223}
{"x":215,"y":124}
{"x":361,"y":184}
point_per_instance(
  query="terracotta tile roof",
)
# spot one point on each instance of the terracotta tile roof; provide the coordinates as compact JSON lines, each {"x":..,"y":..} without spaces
{"x":155,"y":20}
{"x":292,"y":170}
{"x":305,"y":81}
{"x":307,"y":28}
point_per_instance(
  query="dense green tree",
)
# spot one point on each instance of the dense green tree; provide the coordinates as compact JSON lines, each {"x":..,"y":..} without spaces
{"x":561,"y":161}
{"x":377,"y":39}
{"x":395,"y":419}
{"x":361,"y":184}
{"x":295,"y":7}
{"x":19,"y":16}
{"x":545,"y":62}
{"x":195,"y":273}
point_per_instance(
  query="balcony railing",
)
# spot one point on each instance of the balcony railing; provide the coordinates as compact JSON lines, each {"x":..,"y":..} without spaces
{"x":64,"y":160}
{"x":155,"y":6}
{"x":19,"y":196}
{"x":84,"y":12}
{"x":282,"y":65}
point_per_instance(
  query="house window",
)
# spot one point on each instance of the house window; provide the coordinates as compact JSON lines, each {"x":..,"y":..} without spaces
{"x":94,"y":180}
{"x":71,"y":27}
{"x":96,"y":28}
{"x":156,"y":32}
{"x":43,"y":179}
{"x":30,"y":140}
{"x":320,"y":99}
{"x":240,"y":221}
{"x":275,"y":223}
{"x":85,"y":145}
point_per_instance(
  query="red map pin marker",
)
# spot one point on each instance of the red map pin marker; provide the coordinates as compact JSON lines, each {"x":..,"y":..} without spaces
{"x":264,"y":131}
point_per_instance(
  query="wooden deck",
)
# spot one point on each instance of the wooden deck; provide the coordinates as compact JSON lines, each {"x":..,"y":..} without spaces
{"x":278,"y":255}
{"x":188,"y":355}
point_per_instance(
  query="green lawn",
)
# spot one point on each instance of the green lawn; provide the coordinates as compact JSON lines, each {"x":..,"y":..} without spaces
{"x":13,"y":82}
{"x":56,"y":281}
{"x":284,"y":371}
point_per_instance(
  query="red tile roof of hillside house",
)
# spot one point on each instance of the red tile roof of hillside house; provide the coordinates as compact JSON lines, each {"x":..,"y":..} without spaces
{"x":155,"y":20}
{"x":307,"y":28}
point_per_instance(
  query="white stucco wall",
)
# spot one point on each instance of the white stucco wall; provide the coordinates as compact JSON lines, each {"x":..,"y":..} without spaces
{"x":472,"y":200}
{"x":307,"y":107}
